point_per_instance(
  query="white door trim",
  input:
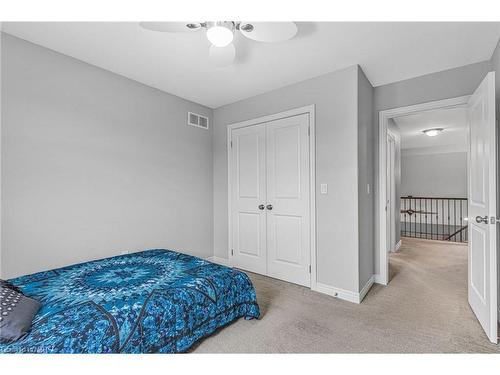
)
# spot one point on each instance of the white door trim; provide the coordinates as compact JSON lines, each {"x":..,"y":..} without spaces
{"x":384,"y":116}
{"x":391,"y":217}
{"x":310,"y":109}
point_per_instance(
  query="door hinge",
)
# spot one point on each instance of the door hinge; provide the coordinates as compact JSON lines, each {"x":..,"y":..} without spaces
{"x":309,"y":131}
{"x":309,"y":268}
{"x":232,"y":252}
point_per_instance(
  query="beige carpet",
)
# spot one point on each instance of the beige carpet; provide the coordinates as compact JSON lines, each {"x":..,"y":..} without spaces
{"x":424,"y":309}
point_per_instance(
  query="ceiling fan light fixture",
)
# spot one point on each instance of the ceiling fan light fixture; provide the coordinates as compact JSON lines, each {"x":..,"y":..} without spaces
{"x":220,"y":34}
{"x":193,"y":25}
{"x":246,"y":27}
{"x":433,"y":132}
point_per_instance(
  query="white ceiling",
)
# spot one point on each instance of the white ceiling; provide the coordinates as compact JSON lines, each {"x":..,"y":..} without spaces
{"x":453,"y":138}
{"x":178,"y":63}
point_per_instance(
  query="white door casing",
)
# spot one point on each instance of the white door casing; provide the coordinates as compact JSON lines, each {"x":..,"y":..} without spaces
{"x":482,"y":246}
{"x":384,"y":117}
{"x":394,"y":215}
{"x":248,"y":175}
{"x":288,"y":226}
{"x":391,"y":192}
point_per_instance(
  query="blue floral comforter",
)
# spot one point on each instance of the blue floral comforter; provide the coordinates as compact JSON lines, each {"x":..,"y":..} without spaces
{"x":146,"y":302}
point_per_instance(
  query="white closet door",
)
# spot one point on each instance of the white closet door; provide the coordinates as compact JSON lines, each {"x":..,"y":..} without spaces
{"x":248,"y":216}
{"x":288,"y":222}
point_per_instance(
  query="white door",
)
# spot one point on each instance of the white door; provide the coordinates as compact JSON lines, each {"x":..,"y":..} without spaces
{"x":482,"y":262}
{"x":270,"y":195}
{"x":248,"y":214}
{"x":288,"y":219}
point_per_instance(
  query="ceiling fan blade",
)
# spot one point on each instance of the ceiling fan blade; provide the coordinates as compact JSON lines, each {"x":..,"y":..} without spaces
{"x":171,"y":27}
{"x":222,"y":56}
{"x":270,"y":32}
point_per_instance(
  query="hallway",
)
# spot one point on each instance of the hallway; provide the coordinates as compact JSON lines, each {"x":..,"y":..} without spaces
{"x":431,"y":279}
{"x":423,"y":310}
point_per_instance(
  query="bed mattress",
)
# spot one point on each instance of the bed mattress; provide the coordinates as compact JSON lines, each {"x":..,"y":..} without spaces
{"x":155,"y":301}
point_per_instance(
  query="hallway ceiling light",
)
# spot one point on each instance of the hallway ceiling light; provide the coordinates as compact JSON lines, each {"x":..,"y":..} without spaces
{"x":433,"y":132}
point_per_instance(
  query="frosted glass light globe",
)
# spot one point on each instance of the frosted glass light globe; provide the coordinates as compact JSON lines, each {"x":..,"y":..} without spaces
{"x":219,"y":36}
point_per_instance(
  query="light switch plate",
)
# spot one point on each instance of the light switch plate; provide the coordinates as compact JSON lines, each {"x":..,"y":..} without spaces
{"x":324,"y":188}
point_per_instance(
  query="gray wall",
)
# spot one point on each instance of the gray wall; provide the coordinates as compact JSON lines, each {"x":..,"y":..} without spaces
{"x":434,"y":175}
{"x":436,"y":86}
{"x":94,"y":164}
{"x":365,"y":177}
{"x":397,"y":180}
{"x":335,"y":97}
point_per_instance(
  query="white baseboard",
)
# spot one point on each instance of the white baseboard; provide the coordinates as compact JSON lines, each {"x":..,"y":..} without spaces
{"x":378,"y":280}
{"x":366,"y":288}
{"x":397,"y":247}
{"x":346,"y":295}
{"x":219,"y":260}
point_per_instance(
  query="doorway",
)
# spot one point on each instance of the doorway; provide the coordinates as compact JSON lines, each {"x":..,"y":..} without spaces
{"x":481,"y":197}
{"x":271,"y":196}
{"x":434,"y":187}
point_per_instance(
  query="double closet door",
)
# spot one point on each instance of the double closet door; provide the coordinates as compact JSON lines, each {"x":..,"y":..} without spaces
{"x":270,"y":196}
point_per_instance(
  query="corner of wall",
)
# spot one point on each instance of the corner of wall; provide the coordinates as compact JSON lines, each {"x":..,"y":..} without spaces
{"x":365,"y":181}
{"x":212,"y":119}
{"x":359,"y":204}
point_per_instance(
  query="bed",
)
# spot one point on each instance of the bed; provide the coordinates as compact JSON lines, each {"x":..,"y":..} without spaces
{"x":154,"y":301}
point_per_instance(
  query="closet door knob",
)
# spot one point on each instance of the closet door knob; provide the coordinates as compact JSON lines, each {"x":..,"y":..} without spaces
{"x":269,"y":206}
{"x":261,"y":206}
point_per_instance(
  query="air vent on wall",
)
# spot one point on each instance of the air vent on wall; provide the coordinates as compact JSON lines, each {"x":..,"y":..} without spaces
{"x":197,"y":120}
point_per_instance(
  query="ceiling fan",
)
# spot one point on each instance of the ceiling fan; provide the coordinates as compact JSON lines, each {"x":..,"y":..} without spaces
{"x":221,"y":33}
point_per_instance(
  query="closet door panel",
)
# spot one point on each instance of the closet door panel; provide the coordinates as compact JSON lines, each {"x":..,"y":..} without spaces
{"x":248,"y":185}
{"x":288,"y":223}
